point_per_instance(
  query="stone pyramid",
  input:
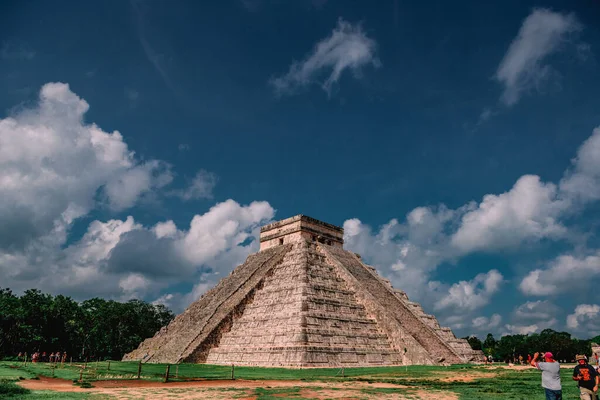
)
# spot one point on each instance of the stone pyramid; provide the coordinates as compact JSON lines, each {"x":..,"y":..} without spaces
{"x":304,"y":301}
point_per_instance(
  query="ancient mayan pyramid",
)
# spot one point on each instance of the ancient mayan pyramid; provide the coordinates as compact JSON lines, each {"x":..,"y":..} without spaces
{"x":304,"y":301}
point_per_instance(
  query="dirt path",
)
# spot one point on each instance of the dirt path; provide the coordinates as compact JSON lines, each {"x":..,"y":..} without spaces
{"x":227,"y":389}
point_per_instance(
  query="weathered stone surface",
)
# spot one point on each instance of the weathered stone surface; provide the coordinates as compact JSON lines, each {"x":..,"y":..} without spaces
{"x":304,"y":301}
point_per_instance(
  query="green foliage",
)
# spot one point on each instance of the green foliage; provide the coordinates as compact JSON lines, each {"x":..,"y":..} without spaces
{"x":93,"y":329}
{"x":11,"y":390}
{"x":474,"y":342}
{"x":510,"y":346}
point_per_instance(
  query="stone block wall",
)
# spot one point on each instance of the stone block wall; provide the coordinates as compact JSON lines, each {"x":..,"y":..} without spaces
{"x":300,"y":228}
{"x":304,"y":315}
{"x":304,"y":304}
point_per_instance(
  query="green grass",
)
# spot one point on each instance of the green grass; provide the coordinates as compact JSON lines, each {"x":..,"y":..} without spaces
{"x":507,"y":384}
{"x":11,"y":391}
{"x":516,"y":385}
{"x":128,"y":370}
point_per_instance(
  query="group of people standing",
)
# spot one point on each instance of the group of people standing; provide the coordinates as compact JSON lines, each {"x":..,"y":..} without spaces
{"x":586,"y":375}
{"x":57,"y":357}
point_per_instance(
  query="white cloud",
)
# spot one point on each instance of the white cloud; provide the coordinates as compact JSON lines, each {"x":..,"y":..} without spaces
{"x":535,"y":310}
{"x":473,"y":294}
{"x":528,"y":211}
{"x":55,"y":168}
{"x":405,"y":252}
{"x":178,"y":302}
{"x":531,"y":317}
{"x":563,"y":275}
{"x":585,"y":318}
{"x":409,"y":251}
{"x":201,"y":187}
{"x":582,"y":182}
{"x":487,"y":323}
{"x":53,"y":165}
{"x":528,"y":329}
{"x":134,"y":284}
{"x":347,"y":48}
{"x":165,"y":229}
{"x":124,"y":259}
{"x":523,"y":66}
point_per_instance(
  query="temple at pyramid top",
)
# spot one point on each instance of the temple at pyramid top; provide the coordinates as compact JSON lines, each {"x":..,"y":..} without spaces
{"x":304,"y":301}
{"x":300,"y":227}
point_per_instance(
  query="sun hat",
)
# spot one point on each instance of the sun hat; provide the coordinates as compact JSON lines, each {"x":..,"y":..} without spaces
{"x":548,"y":355}
{"x":580,"y":357}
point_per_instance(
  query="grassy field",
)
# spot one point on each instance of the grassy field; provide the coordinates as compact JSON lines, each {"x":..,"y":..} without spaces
{"x":465,"y":382}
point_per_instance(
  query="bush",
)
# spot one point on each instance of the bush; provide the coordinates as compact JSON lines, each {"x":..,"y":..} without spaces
{"x":9,"y":389}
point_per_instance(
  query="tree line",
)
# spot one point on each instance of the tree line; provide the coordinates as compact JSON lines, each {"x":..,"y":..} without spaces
{"x":510,"y":347}
{"x":92,"y":329}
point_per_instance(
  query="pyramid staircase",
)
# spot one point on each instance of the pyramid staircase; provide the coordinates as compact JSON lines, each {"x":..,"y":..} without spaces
{"x":304,"y":301}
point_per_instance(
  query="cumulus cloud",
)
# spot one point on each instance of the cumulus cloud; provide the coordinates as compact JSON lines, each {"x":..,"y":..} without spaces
{"x":536,"y":310}
{"x":482,"y":323}
{"x":563,"y":275}
{"x":55,"y":169}
{"x":347,"y":48}
{"x":124,"y":259}
{"x":409,"y":251}
{"x":405,"y":252}
{"x":201,"y":187}
{"x":529,"y":210}
{"x":473,"y":294}
{"x":585,"y":319}
{"x":528,"y":329}
{"x":53,"y":166}
{"x":582,"y":181}
{"x":524,"y":65}
{"x":531,"y":317}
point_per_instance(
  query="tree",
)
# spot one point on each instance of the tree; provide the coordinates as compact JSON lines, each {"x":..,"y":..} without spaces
{"x":474,"y":342}
{"x":489,"y":344}
{"x":94,"y":328}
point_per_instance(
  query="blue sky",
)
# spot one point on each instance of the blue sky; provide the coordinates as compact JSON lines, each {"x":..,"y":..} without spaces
{"x":455,"y":143}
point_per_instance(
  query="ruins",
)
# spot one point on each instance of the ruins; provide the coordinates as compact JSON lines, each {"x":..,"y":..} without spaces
{"x":304,"y":301}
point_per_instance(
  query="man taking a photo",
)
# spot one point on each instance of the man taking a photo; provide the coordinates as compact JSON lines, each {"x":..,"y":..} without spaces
{"x":588,"y":378}
{"x":550,"y":375}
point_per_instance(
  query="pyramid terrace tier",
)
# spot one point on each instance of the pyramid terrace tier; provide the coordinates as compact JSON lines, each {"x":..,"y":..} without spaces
{"x":304,"y":304}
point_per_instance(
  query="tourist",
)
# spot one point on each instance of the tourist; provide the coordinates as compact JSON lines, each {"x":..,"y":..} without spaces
{"x":587,"y":377}
{"x":550,"y":375}
{"x":520,"y":359}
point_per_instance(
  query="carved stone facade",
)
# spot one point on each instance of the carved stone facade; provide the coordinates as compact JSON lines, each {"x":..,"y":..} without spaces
{"x":303,"y":301}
